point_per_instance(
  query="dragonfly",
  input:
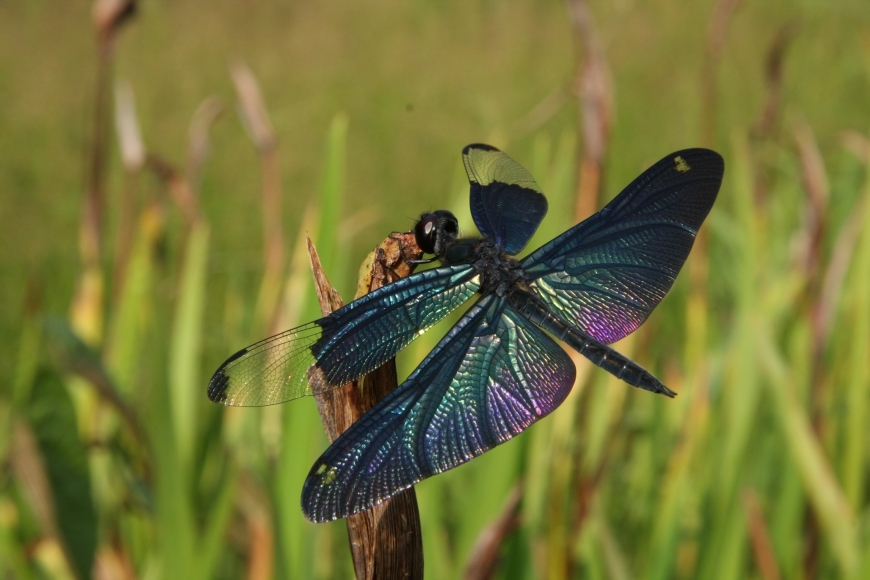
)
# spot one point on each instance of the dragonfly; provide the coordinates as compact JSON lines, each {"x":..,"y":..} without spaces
{"x":498,"y":370}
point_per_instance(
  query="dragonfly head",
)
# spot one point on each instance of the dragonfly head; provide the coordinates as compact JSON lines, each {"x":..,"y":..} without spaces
{"x":435,"y":230}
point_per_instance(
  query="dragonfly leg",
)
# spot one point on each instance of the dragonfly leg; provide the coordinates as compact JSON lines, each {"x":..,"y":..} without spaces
{"x":410,"y":261}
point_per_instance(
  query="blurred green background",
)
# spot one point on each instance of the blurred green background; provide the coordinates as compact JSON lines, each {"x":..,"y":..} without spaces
{"x":113,"y":463}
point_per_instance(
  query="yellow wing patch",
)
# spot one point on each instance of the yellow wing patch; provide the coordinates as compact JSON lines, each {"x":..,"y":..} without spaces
{"x":328,"y":475}
{"x":485,"y":164}
{"x":681,"y":165}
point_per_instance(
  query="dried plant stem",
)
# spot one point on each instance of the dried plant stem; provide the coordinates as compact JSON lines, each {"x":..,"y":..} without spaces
{"x":92,"y":208}
{"x":595,"y":90}
{"x":717,"y":33}
{"x":255,"y":508}
{"x":484,"y":559}
{"x":87,"y":306}
{"x":87,"y":303}
{"x":272,"y":205}
{"x":697,"y":265}
{"x":759,"y":535}
{"x":125,"y":233}
{"x":178,"y":188}
{"x":256,"y":120}
{"x":133,"y":157}
{"x":385,"y":541}
{"x":274,"y":236}
{"x":816,"y":184}
{"x":766,"y":124}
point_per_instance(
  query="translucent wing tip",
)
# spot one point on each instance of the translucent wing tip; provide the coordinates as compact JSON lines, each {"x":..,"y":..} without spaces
{"x":217,"y":386}
{"x":506,"y":203}
{"x":268,"y":372}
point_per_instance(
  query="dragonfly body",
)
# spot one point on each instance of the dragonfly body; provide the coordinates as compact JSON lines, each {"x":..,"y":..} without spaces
{"x":503,"y":275}
{"x":498,"y":271}
{"x":496,"y":371}
{"x":600,"y":354}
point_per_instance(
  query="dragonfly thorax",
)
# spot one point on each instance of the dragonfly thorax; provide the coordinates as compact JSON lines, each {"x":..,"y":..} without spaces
{"x":437,"y":233}
{"x":498,"y":271}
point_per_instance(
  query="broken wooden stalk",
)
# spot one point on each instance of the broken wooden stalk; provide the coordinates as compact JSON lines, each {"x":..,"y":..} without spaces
{"x":385,"y":541}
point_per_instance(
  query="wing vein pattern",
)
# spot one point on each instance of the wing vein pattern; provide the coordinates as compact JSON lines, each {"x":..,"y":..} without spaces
{"x":506,"y":203}
{"x":494,"y":374}
{"x":607,"y":274}
{"x":345,"y":345}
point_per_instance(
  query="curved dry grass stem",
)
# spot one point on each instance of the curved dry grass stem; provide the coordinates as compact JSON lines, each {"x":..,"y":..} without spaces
{"x":595,"y":90}
{"x":485,"y":555}
{"x":717,"y":34}
{"x":255,"y":119}
{"x":774,"y":72}
{"x":204,"y":117}
{"x":759,"y":535}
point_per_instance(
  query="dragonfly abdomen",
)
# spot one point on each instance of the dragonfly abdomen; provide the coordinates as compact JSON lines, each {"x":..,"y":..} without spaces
{"x":597,"y":352}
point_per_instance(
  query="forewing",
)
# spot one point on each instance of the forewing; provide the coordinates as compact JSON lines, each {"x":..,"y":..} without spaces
{"x":489,"y":378}
{"x":506,"y":203}
{"x":606,"y":274}
{"x":345,"y":345}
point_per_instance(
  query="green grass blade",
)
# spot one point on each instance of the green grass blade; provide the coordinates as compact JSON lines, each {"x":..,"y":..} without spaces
{"x":124,"y":344}
{"x":185,"y":383}
{"x":215,"y":528}
{"x":833,"y":510}
{"x":52,"y":418}
{"x":334,"y":261}
{"x":858,"y":376}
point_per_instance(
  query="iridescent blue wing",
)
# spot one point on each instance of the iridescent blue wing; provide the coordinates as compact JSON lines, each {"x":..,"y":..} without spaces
{"x":489,"y":378}
{"x":606,"y":274}
{"x":345,"y":345}
{"x":506,"y":203}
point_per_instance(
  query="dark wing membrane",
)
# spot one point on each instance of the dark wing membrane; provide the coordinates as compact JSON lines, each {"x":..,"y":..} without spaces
{"x":489,"y":378}
{"x":345,"y":345}
{"x":506,"y":203}
{"x":606,"y":274}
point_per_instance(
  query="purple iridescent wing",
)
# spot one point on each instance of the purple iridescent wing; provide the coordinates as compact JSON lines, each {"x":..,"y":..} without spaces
{"x":506,"y":203}
{"x":489,"y":378}
{"x":606,"y":274}
{"x":345,"y":345}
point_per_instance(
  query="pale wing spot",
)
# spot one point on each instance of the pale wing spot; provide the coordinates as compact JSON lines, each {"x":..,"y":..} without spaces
{"x":327,"y":475}
{"x":681,"y":165}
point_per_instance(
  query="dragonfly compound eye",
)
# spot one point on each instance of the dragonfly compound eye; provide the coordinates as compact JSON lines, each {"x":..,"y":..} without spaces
{"x":426,"y":232}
